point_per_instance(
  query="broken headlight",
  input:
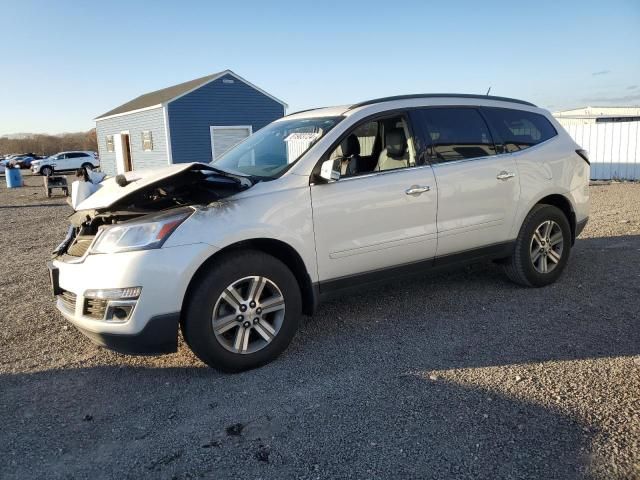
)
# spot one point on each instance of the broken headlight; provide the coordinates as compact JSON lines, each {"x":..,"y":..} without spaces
{"x":145,"y":234}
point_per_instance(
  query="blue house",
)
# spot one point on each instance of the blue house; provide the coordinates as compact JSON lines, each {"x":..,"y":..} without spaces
{"x":195,"y":121}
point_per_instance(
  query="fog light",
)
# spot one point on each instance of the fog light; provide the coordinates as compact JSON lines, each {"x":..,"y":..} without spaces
{"x":129,"y":293}
{"x":119,"y":311}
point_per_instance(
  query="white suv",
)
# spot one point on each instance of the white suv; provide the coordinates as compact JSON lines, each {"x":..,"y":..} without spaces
{"x":65,"y":162}
{"x":233,"y":252}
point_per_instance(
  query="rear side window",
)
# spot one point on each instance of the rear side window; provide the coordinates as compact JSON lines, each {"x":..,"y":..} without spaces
{"x":517,"y":129}
{"x":454,"y":133}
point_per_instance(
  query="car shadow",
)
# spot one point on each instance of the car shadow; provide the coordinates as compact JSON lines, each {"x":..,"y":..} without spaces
{"x":363,"y":390}
{"x":474,"y":317}
{"x":133,"y":422}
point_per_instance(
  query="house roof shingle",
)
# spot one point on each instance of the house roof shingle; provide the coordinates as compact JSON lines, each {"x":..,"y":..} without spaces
{"x":159,"y":96}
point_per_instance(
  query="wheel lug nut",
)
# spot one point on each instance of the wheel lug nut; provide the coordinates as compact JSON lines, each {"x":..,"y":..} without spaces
{"x":252,"y":304}
{"x":243,"y":308}
{"x":246,"y":324}
{"x":256,"y":320}
{"x":240,"y":318}
{"x":258,"y":310}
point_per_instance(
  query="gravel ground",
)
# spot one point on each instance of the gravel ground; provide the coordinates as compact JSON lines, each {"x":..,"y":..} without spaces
{"x":401,"y":382}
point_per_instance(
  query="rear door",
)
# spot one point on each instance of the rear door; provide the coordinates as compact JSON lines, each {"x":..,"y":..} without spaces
{"x":369,"y":221}
{"x":478,"y":190}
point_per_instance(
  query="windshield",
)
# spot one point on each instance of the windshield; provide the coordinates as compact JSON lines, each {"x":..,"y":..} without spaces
{"x":272,"y":149}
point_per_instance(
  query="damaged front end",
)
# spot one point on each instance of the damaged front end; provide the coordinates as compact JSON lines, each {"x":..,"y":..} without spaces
{"x":139,"y":210}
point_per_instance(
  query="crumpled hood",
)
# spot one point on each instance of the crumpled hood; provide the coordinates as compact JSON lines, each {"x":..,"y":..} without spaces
{"x":111,"y":193}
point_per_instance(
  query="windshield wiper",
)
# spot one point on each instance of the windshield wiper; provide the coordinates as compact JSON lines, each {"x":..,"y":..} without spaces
{"x":239,"y":179}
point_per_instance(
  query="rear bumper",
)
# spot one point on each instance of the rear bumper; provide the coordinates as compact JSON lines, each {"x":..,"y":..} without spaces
{"x":160,"y":335}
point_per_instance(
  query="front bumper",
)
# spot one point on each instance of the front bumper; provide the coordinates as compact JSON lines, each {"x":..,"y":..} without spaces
{"x":159,"y":336}
{"x":164,"y":275}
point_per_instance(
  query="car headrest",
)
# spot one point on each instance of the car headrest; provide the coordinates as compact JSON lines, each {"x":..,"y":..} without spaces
{"x":350,"y":146}
{"x":396,"y":143}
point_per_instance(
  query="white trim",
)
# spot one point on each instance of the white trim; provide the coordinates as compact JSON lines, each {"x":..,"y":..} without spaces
{"x":167,"y":134}
{"x":233,"y":74}
{"x":97,"y":119}
{"x":224,"y":127}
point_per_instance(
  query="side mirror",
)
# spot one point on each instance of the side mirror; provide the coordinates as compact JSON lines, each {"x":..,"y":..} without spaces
{"x":330,"y":170}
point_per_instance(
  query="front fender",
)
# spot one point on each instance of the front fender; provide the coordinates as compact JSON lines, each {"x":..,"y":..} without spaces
{"x":279,"y":214}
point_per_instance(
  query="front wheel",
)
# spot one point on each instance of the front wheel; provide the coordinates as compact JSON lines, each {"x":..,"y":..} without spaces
{"x":542,"y":248}
{"x":243,"y":312}
{"x":46,"y":171}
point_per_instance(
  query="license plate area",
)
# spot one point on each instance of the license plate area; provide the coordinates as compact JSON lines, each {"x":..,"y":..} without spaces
{"x":54,"y":278}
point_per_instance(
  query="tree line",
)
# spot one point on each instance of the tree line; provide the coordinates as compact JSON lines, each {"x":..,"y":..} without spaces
{"x":43,"y":144}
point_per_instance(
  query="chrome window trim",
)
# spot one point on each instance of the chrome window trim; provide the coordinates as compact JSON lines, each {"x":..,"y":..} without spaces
{"x":379,"y":172}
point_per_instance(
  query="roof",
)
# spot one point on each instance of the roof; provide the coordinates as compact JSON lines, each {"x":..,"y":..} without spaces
{"x":600,"y":111}
{"x":166,"y":95}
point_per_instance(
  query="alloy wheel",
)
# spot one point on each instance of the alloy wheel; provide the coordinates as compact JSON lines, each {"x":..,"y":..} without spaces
{"x":546,"y":246}
{"x":248,"y":314}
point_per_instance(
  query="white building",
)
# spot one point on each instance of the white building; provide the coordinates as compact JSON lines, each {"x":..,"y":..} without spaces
{"x":587,"y":115}
{"x":611,"y":135}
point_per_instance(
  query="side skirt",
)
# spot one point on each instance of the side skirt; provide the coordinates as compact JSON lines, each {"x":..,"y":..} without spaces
{"x":334,"y":287}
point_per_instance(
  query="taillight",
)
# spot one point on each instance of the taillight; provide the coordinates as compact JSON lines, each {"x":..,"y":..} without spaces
{"x":584,"y":155}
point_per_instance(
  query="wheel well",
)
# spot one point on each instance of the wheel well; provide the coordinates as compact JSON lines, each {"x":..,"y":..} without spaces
{"x":276,"y":248}
{"x":563,"y":204}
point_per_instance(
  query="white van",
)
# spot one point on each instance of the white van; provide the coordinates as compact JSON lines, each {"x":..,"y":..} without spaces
{"x":318,"y":202}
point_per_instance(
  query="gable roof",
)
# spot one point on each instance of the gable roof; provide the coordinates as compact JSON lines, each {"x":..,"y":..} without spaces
{"x":166,"y":95}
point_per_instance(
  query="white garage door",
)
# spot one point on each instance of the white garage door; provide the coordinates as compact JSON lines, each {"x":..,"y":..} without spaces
{"x":223,"y":138}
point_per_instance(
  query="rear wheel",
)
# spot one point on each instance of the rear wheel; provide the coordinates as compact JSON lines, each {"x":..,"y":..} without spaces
{"x":542,"y":248}
{"x":46,"y":171}
{"x":243,"y":312}
{"x":87,"y":166}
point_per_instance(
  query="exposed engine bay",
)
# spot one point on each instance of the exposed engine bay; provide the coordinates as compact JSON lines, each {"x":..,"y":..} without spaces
{"x":200,"y":185}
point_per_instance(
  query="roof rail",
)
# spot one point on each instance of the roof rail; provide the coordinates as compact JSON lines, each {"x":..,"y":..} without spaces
{"x":438,"y":95}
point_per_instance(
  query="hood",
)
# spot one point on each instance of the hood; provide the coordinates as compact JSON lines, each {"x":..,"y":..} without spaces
{"x":111,"y":193}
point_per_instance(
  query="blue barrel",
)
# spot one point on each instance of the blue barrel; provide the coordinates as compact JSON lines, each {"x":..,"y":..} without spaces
{"x":14,"y":177}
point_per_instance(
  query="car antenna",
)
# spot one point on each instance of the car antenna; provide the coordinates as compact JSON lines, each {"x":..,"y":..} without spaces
{"x":487,"y":94}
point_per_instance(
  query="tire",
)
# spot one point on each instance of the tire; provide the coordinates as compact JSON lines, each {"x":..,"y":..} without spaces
{"x":46,"y":171}
{"x":87,"y":166}
{"x":535,"y":264}
{"x":218,"y":347}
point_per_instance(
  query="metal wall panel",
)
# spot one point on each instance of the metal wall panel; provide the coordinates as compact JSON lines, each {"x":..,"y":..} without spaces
{"x":614,"y":148}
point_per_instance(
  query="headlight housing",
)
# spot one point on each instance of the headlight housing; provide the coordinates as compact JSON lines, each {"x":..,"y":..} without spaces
{"x":145,"y":234}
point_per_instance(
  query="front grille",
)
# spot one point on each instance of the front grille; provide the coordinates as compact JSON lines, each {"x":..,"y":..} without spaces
{"x":94,"y":308}
{"x":68,"y":300}
{"x":80,"y":245}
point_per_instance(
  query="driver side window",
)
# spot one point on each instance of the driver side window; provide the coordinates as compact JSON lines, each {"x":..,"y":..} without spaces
{"x":376,"y":145}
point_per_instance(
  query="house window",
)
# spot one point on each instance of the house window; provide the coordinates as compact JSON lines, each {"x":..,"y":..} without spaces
{"x":147,"y":141}
{"x":110,"y":147}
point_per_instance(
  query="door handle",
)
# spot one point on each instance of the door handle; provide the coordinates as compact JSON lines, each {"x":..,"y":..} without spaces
{"x":417,"y":189}
{"x":504,"y":175}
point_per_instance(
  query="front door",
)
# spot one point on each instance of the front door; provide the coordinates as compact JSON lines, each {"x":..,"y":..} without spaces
{"x":478,"y":191}
{"x":377,"y":217}
{"x":122,"y":149}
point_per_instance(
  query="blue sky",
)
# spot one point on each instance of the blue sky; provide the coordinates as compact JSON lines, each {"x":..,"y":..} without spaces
{"x":63,"y":63}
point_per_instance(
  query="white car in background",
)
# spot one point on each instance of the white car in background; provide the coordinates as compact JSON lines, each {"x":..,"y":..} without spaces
{"x":65,"y":162}
{"x":317,"y":203}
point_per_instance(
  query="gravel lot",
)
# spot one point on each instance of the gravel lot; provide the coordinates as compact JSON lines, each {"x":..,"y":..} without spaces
{"x":459,"y":375}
